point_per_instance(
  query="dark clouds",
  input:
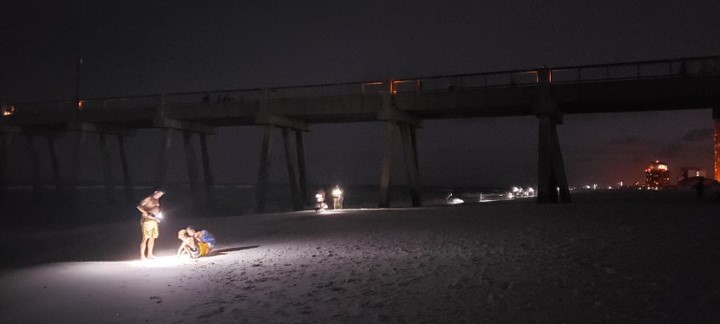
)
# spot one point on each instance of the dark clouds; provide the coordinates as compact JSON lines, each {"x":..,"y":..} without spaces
{"x":626,"y":140}
{"x":697,"y":135}
{"x":135,"y":47}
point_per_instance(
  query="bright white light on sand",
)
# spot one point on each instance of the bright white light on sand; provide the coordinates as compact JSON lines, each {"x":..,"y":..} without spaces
{"x":455,"y":201}
{"x":161,"y":262}
{"x":333,"y":211}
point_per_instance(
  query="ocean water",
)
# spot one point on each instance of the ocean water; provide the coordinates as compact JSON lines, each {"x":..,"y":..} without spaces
{"x":90,"y":203}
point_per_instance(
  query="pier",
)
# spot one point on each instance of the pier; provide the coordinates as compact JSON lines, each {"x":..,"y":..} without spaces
{"x":401,"y":104}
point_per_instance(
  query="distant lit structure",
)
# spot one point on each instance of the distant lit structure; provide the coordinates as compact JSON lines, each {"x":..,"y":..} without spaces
{"x":657,"y":175}
{"x":689,"y":177}
{"x":687,"y":173}
{"x":8,"y":110}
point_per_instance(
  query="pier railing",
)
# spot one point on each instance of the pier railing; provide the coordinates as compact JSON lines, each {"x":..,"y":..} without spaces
{"x":672,"y":68}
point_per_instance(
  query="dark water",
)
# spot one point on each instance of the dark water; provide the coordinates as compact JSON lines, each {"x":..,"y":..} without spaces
{"x":20,"y":206}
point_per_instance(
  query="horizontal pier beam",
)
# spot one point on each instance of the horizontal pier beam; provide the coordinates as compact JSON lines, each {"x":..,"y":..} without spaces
{"x":281,"y":121}
{"x":182,"y":125}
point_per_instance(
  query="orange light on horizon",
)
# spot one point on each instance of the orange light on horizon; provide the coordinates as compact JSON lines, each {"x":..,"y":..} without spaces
{"x":657,"y":165}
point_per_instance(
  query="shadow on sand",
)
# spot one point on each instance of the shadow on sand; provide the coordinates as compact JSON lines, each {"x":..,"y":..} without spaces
{"x":230,"y":249}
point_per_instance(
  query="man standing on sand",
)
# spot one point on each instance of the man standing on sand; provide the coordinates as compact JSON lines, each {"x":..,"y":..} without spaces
{"x":149,"y":211}
{"x":338,"y":197}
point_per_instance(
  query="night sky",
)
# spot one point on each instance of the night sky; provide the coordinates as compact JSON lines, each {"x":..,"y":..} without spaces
{"x":148,"y":47}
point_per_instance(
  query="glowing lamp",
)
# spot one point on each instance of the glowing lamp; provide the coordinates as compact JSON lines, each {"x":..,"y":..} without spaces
{"x":8,"y":110}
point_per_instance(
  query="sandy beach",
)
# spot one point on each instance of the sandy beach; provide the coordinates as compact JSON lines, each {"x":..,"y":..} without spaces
{"x":612,"y":257}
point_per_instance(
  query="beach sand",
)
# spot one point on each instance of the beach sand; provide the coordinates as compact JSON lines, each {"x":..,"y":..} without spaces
{"x":617,"y":257}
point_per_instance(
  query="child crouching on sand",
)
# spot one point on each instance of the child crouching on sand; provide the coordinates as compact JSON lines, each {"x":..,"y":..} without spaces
{"x":205,"y":242}
{"x":187,"y":239}
{"x":195,"y":243}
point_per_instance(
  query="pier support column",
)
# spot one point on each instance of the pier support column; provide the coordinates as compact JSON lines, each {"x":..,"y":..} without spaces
{"x":107,"y":168}
{"x":398,"y":120}
{"x":411,"y":163}
{"x":76,"y":162}
{"x":386,"y":173}
{"x":207,"y":175}
{"x":301,"y":166}
{"x":5,"y":140}
{"x":160,"y":120}
{"x":125,"y":170}
{"x":191,"y":162}
{"x":290,"y":157}
{"x":293,"y":153}
{"x":161,"y":171}
{"x":263,"y":173}
{"x":34,"y":165}
{"x":413,"y":138}
{"x":552,"y":182}
{"x":57,"y":175}
{"x":716,"y":122}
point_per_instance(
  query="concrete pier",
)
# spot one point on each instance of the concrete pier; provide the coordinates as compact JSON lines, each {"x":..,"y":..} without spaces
{"x":400,"y":104}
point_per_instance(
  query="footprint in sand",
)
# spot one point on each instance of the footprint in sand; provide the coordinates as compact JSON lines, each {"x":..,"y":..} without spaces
{"x":212,"y":313}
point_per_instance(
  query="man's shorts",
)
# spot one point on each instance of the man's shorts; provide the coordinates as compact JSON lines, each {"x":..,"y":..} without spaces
{"x":150,"y":229}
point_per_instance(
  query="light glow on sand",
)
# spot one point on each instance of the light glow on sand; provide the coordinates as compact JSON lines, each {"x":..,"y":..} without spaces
{"x":159,"y":262}
{"x":350,"y":265}
{"x":333,"y":211}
